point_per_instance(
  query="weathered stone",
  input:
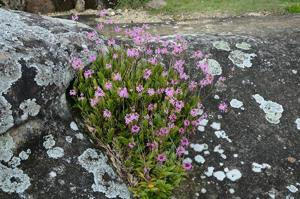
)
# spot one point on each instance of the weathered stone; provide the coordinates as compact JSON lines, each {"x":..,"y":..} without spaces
{"x":39,"y":152}
{"x":40,"y":6}
{"x":80,"y":5}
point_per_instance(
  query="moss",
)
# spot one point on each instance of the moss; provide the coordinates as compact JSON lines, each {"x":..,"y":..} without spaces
{"x":293,"y":8}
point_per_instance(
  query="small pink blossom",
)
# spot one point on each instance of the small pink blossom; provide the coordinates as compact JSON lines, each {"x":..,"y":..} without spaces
{"x":139,"y":88}
{"x":106,"y":113}
{"x":92,"y":58}
{"x":76,"y":63}
{"x":117,"y":77}
{"x":123,"y":92}
{"x":94,"y":101}
{"x":180,"y":151}
{"x":152,"y":145}
{"x":186,"y":123}
{"x":132,"y":52}
{"x":131,"y":145}
{"x":198,"y":54}
{"x":111,"y":42}
{"x":72,"y":92}
{"x":115,"y":56}
{"x":100,"y":26}
{"x":223,"y":107}
{"x":108,"y":86}
{"x":117,"y":29}
{"x":151,"y":91}
{"x":99,"y":92}
{"x":131,"y":117}
{"x":169,"y":91}
{"x":91,"y":35}
{"x":108,"y":66}
{"x":163,"y":131}
{"x":187,"y":166}
{"x":181,"y":131}
{"x":161,"y":158}
{"x":88,"y":73}
{"x":153,"y":60}
{"x":147,"y":73}
{"x":103,"y":13}
{"x":150,"y":107}
{"x":135,"y":129}
{"x":75,"y":17}
{"x":172,"y":117}
{"x":184,"y":142}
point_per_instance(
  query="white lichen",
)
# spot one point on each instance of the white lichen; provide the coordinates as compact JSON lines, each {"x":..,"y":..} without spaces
{"x":234,"y":175}
{"x":13,"y":180}
{"x":201,"y":128}
{"x":69,"y":139}
{"x":292,"y":188}
{"x":74,"y":126}
{"x":203,"y":122}
{"x":234,"y":103}
{"x":209,"y":172}
{"x":219,"y":150}
{"x":24,"y":155}
{"x":49,"y":142}
{"x":29,"y":108}
{"x":221,"y":45}
{"x":56,"y":152}
{"x":241,"y":59}
{"x":6,"y":118}
{"x":79,"y":136}
{"x":7,"y":146}
{"x":200,"y":159}
{"x":214,"y":67}
{"x":257,"y":168}
{"x":243,"y":45}
{"x":199,"y":147}
{"x":297,"y":122}
{"x":220,"y":175}
{"x":96,"y":163}
{"x":216,"y":125}
{"x":272,"y":109}
{"x":223,"y":135}
{"x":14,"y":162}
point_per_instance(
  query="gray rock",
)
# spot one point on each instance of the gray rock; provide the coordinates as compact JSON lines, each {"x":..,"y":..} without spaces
{"x":35,"y":118}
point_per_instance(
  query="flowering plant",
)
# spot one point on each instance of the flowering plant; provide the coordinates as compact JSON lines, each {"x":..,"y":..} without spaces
{"x":140,"y":110}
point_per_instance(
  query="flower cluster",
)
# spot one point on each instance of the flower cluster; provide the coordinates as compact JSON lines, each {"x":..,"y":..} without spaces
{"x":142,"y":109}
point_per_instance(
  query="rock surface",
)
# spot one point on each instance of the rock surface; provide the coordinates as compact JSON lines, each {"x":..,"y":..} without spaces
{"x":41,"y":154}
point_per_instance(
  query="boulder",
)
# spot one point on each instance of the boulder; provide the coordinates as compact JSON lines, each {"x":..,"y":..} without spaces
{"x":43,"y":154}
{"x":40,"y":6}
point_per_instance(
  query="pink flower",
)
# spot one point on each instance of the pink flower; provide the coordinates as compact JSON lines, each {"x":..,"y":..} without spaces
{"x":92,"y":58}
{"x":131,"y":145}
{"x":161,"y":158}
{"x":139,"y":88}
{"x":169,"y":91}
{"x":117,"y":77}
{"x":111,"y":42}
{"x":88,"y":73}
{"x":198,"y":54}
{"x":75,"y":17}
{"x":135,"y":129}
{"x":152,"y":60}
{"x":203,"y":65}
{"x":115,"y":56}
{"x":184,"y":142}
{"x":192,"y":85}
{"x":186,"y":123}
{"x":131,"y":117}
{"x":223,"y":107}
{"x":91,"y":35}
{"x":94,"y":101}
{"x":179,"y":105}
{"x":123,"y":92}
{"x":152,"y":145}
{"x":172,"y":118}
{"x":181,"y":131}
{"x":76,"y":63}
{"x":147,"y":73}
{"x":72,"y":92}
{"x":163,"y":131}
{"x":150,"y":107}
{"x":187,"y":166}
{"x":117,"y":29}
{"x":100,"y":26}
{"x":103,"y":13}
{"x":132,"y":52}
{"x":180,"y":151}
{"x":106,"y":113}
{"x":108,"y":85}
{"x":151,"y":91}
{"x":194,"y":112}
{"x":99,"y":92}
{"x":108,"y":66}
{"x":149,"y":51}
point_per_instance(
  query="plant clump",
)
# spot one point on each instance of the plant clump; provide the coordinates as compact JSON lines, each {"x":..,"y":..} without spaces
{"x":139,"y":103}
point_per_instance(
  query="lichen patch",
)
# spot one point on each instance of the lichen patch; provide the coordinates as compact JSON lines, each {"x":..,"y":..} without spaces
{"x":96,"y":163}
{"x":6,"y":118}
{"x":257,"y":168}
{"x":56,"y":152}
{"x":7,"y":146}
{"x":243,"y":45}
{"x":297,"y":122}
{"x":222,"y":45}
{"x":272,"y":109}
{"x":241,"y":59}
{"x":29,"y":108}
{"x":234,"y":103}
